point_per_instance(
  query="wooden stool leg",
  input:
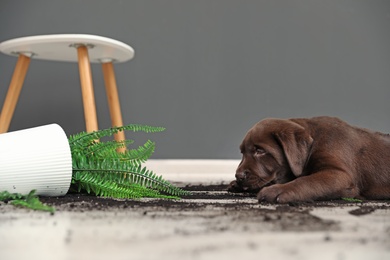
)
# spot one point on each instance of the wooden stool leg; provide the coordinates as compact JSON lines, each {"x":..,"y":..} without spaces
{"x":13,"y":92}
{"x":113,"y":100}
{"x":87,"y":89}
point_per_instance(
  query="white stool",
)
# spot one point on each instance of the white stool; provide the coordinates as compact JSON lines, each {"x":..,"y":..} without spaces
{"x":79,"y":48}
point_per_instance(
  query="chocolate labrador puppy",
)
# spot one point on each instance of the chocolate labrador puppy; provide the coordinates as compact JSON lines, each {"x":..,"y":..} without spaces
{"x":313,"y":159}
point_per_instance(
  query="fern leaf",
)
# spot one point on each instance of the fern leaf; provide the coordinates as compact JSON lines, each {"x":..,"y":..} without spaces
{"x":98,"y":168}
{"x":84,"y":138}
{"x":135,"y":156}
{"x":30,"y":200}
{"x":102,"y":149}
{"x":123,"y":172}
{"x":98,"y":185}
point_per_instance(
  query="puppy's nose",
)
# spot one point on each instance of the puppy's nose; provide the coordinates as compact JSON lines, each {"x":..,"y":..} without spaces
{"x":241,"y":175}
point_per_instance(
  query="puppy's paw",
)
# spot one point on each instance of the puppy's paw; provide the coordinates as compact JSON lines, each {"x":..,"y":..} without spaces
{"x":275,"y":193}
{"x":234,"y":187}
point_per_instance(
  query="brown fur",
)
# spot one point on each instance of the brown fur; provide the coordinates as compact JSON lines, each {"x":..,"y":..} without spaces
{"x":288,"y":160}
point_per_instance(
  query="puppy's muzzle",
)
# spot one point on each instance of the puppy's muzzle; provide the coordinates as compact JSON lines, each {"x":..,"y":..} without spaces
{"x":241,"y":175}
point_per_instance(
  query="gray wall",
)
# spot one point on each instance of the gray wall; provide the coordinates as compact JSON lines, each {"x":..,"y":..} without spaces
{"x":208,"y":70}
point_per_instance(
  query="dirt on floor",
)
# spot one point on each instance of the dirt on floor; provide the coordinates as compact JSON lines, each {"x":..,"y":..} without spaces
{"x":209,"y":224}
{"x":212,"y":201}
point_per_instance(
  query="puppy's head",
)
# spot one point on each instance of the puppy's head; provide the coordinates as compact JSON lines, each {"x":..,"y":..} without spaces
{"x":273,"y":151}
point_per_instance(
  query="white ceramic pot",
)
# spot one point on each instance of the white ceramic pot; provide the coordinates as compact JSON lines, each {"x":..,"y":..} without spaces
{"x":36,"y":159}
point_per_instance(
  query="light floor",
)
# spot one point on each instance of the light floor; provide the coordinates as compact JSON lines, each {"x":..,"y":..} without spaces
{"x":127,"y":234}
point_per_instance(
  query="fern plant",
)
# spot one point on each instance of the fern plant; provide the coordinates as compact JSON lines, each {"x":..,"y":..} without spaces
{"x":30,"y":200}
{"x":99,"y":169}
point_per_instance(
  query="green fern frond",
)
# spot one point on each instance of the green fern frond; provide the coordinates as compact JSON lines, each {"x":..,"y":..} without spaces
{"x":84,"y":139}
{"x":30,"y":200}
{"x":135,"y":156}
{"x":98,"y":168}
{"x":122,"y":172}
{"x":109,"y":150}
{"x":6,"y":196}
{"x":100,"y":186}
{"x":102,"y":149}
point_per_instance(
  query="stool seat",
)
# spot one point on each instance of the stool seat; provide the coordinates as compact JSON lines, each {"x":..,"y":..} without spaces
{"x":81,"y":48}
{"x":61,"y":47}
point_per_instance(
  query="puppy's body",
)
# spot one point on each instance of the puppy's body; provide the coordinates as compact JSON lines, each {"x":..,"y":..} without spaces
{"x":310,"y":159}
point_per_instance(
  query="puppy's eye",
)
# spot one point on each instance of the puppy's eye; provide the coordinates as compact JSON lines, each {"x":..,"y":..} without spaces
{"x":260,"y":151}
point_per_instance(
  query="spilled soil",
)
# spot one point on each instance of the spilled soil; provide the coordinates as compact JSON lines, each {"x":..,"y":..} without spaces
{"x":209,"y":224}
{"x":227,"y":210}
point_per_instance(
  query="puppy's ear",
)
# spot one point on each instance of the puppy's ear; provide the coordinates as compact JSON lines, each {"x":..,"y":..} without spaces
{"x":296,"y":143}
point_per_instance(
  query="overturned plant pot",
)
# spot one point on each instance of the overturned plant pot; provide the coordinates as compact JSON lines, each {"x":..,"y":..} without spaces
{"x":36,"y":159}
{"x":45,"y":160}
